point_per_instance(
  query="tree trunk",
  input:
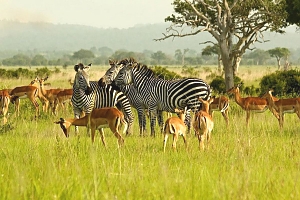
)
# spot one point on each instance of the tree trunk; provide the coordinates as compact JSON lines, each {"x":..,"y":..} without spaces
{"x":278,"y":63}
{"x":219,"y":63}
{"x":228,"y":65}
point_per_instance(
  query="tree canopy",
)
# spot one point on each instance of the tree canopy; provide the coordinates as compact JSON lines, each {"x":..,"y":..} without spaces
{"x":234,"y":24}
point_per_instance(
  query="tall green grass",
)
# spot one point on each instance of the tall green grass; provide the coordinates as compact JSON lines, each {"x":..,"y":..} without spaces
{"x":258,"y":162}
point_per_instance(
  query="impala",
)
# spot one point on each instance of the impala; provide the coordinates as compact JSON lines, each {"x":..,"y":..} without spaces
{"x":203,"y":123}
{"x":98,"y":119}
{"x":281,"y":106}
{"x":175,"y":126}
{"x":4,"y":102}
{"x":220,"y":104}
{"x":249,"y":104}
{"x":50,"y":94}
{"x":30,"y":92}
{"x":61,"y":98}
{"x":41,"y":97}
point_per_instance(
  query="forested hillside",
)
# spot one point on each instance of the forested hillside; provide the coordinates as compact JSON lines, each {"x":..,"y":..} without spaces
{"x":16,"y":36}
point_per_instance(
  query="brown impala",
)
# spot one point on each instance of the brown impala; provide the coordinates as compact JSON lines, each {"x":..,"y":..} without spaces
{"x":281,"y":106}
{"x":49,"y":94}
{"x":220,"y":104}
{"x":249,"y":104}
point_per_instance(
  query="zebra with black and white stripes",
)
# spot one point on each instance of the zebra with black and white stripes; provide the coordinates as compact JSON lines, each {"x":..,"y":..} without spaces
{"x":162,"y":94}
{"x":88,"y":95}
{"x":132,"y":94}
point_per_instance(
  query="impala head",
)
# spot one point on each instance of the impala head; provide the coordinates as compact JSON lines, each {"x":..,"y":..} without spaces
{"x":268,"y":94}
{"x":42,"y":80}
{"x":64,"y":125}
{"x":181,"y":113}
{"x":34,"y":81}
{"x":205,"y":104}
{"x":81,"y":80}
{"x":234,"y":89}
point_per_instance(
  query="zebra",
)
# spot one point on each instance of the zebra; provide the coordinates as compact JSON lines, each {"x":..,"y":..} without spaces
{"x":88,"y":95}
{"x":131,"y":92}
{"x":165,"y":95}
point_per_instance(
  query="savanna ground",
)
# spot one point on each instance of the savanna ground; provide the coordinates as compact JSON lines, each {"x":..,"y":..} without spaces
{"x":258,"y":162}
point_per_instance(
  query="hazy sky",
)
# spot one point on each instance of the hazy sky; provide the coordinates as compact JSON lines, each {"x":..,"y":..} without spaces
{"x":97,"y":13}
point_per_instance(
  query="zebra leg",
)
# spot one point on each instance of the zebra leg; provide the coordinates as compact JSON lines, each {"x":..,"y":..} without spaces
{"x":153,"y":114}
{"x":160,"y":119}
{"x":187,"y":120}
{"x":142,"y":120}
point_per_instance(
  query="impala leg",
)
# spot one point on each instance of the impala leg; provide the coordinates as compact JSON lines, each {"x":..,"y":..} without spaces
{"x":17,"y":106}
{"x":184,"y":139}
{"x":201,"y":142}
{"x":120,"y":139}
{"x":165,"y":141}
{"x":247,"y":117}
{"x":102,"y":136}
{"x":175,"y":138}
{"x":225,"y":115}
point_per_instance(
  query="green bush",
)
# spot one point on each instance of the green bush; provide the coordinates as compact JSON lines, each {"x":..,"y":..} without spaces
{"x":284,"y":83}
{"x":26,"y":73}
{"x":219,"y":87}
{"x":163,"y":73}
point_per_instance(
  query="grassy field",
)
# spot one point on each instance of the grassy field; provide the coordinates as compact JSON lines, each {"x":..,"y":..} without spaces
{"x":258,"y":162}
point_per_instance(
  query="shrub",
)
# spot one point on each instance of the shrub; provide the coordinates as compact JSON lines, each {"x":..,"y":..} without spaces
{"x":284,"y":83}
{"x":163,"y":73}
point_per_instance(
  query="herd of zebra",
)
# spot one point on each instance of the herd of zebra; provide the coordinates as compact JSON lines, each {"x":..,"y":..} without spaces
{"x":128,"y":84}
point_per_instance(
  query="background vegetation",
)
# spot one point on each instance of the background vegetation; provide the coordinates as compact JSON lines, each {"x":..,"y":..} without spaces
{"x":259,"y":162}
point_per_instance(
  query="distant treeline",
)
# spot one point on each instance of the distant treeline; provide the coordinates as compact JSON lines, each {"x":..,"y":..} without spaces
{"x":101,"y":56}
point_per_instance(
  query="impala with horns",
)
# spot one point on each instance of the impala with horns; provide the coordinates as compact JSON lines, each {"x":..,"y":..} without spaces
{"x":177,"y":127}
{"x":220,"y":104}
{"x":255,"y":104}
{"x":203,"y":123}
{"x":99,"y":118}
{"x":62,"y":98}
{"x":4,"y":102}
{"x":281,"y":106}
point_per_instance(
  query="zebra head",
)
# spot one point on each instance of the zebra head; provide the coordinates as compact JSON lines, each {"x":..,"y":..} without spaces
{"x":111,"y":73}
{"x":124,"y":77}
{"x":82,"y":78}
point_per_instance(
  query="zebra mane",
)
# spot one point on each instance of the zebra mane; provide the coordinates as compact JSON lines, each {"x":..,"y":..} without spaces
{"x":146,"y":70}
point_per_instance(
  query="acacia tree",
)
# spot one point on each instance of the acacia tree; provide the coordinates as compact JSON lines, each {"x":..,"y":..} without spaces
{"x":234,"y":24}
{"x":280,"y":53}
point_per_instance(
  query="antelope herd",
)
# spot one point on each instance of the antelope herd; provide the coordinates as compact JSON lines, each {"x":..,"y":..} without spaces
{"x":110,"y":117}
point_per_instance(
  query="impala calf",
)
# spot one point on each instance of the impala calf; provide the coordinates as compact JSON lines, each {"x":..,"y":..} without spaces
{"x":281,"y":106}
{"x":98,"y":119}
{"x":175,"y":126}
{"x":203,"y":123}
{"x":248,"y":104}
{"x":220,"y":104}
{"x":4,"y":102}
